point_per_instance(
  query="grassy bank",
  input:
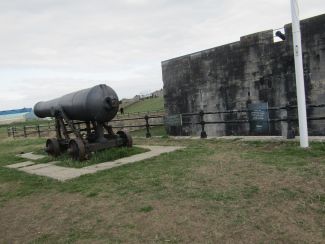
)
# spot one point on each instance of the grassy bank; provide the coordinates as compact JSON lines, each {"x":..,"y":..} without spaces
{"x":146,"y":105}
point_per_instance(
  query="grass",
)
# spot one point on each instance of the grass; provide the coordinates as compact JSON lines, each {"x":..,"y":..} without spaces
{"x":146,"y":105}
{"x":213,"y":191}
{"x":154,"y":131}
{"x":287,"y":154}
{"x":98,"y":157}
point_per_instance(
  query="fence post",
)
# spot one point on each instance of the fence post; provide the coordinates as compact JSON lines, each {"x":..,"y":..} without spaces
{"x":202,"y":122}
{"x":78,"y":125}
{"x":25,"y":134}
{"x":148,"y":135}
{"x":48,"y":128}
{"x":38,"y":131}
{"x":8,"y":131}
{"x":13,"y":131}
{"x":290,"y":131}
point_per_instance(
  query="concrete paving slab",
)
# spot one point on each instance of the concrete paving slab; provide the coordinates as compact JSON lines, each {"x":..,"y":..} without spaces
{"x":154,"y":151}
{"x":64,"y":173}
{"x":72,"y":173}
{"x":100,"y":166}
{"x":31,"y":156}
{"x":35,"y":166}
{"x":19,"y":165}
{"x":45,"y":170}
{"x":57,"y":172}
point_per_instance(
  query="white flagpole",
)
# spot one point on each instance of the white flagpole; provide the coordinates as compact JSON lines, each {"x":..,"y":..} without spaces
{"x":303,"y":129}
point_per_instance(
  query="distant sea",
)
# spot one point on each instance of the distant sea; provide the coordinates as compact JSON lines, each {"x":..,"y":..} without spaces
{"x":12,"y":116}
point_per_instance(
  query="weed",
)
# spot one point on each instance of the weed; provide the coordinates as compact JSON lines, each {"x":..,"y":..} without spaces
{"x":146,"y":209}
{"x":92,"y":194}
{"x":249,"y":192}
{"x":287,"y":193}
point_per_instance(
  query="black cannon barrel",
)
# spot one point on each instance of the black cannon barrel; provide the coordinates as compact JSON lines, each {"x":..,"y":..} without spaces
{"x":99,"y":103}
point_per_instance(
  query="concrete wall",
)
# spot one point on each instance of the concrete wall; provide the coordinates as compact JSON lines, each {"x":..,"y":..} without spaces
{"x":255,"y":69}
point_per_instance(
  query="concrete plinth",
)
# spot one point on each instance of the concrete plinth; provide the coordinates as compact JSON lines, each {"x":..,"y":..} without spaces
{"x":64,"y":173}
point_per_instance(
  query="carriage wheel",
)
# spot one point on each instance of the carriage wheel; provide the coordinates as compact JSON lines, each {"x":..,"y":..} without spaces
{"x":53,"y":147}
{"x":77,"y":149}
{"x":128,"y":142}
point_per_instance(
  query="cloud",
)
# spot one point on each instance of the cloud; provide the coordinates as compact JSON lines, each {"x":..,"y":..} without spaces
{"x":52,"y":47}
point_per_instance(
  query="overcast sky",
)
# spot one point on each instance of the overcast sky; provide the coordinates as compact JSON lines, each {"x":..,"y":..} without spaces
{"x":52,"y":47}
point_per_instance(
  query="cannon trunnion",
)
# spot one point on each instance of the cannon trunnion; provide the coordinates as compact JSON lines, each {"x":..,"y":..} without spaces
{"x":81,"y":122}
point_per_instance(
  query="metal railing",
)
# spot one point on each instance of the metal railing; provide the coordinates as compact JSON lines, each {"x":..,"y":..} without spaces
{"x":44,"y":129}
{"x":31,"y":130}
{"x":145,"y":121}
{"x":202,"y":122}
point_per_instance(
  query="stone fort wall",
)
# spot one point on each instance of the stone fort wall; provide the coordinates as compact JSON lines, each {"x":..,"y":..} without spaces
{"x":253,"y":70}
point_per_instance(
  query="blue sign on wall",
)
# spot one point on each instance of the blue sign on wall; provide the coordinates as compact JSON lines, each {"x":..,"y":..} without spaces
{"x":173,"y":120}
{"x":259,"y":118}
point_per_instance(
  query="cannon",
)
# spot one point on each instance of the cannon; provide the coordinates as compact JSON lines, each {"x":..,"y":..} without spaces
{"x":81,"y":122}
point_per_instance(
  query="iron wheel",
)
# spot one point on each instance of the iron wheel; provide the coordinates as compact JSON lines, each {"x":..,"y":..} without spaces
{"x":128,"y":141}
{"x":77,"y":149}
{"x":53,"y":147}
